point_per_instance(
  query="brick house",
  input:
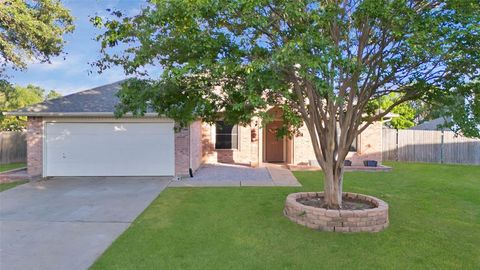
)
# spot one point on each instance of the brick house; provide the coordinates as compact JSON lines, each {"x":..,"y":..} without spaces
{"x":78,"y":135}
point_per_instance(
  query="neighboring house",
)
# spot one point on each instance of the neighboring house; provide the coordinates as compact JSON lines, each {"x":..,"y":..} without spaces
{"x":435,"y":124}
{"x":78,"y":135}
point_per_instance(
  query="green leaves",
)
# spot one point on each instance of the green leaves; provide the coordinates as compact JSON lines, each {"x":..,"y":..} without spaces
{"x":460,"y":107}
{"x":238,"y":58}
{"x":405,"y":112}
{"x":16,"y":97}
{"x":32,"y":30}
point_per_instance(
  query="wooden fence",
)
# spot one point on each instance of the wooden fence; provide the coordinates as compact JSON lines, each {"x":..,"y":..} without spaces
{"x":13,"y":147}
{"x":429,"y":146}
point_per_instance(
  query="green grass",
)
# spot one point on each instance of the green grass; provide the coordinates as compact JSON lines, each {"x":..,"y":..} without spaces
{"x":11,"y":166}
{"x":7,"y":167}
{"x":5,"y":186}
{"x":434,"y":224}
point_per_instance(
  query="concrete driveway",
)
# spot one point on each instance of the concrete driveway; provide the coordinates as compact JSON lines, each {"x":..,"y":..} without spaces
{"x":66,"y":223}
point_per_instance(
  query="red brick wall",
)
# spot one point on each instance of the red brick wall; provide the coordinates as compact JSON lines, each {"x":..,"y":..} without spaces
{"x":299,"y":150}
{"x":369,"y":146}
{"x":182,"y":152}
{"x":255,"y":144}
{"x":196,"y":144}
{"x":34,"y":146}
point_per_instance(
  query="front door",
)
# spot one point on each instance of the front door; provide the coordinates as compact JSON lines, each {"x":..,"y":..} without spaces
{"x":274,"y":145}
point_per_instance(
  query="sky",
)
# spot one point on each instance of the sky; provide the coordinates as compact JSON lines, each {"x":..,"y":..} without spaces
{"x":71,"y":75}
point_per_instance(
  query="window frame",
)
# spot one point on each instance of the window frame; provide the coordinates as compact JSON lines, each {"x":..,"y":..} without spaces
{"x":235,"y":132}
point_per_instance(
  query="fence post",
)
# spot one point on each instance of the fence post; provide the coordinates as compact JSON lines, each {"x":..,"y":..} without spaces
{"x":396,"y":144}
{"x":441,"y":147}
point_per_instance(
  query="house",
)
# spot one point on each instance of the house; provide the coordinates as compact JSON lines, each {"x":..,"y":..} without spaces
{"x":78,"y":135}
{"x":434,"y":124}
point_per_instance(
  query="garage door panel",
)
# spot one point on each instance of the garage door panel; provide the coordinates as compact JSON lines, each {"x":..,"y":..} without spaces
{"x":109,"y":149}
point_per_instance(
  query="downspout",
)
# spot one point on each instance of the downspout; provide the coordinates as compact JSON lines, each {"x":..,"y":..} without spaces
{"x":190,"y":170}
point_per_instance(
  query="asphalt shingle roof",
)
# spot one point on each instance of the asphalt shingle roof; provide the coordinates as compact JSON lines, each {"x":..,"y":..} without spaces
{"x":431,"y":125}
{"x":100,"y":99}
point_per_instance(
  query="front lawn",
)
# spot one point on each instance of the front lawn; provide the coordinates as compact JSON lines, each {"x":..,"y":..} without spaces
{"x":11,"y":166}
{"x":5,"y":186}
{"x":434,"y":224}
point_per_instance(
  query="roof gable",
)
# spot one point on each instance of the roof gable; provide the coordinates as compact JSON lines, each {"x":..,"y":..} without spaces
{"x":100,"y":99}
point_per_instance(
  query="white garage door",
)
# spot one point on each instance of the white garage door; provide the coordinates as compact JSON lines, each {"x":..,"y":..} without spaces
{"x":109,"y":149}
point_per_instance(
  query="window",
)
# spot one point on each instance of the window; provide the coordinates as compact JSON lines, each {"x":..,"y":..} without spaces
{"x":353,"y":147}
{"x":226,"y":136}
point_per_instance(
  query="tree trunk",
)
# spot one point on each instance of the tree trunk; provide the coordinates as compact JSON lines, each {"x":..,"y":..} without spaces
{"x":333,"y":182}
{"x":331,"y":163}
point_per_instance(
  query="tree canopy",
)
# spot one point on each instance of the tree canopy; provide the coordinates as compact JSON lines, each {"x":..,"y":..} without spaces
{"x":405,"y":112}
{"x":31,"y":30}
{"x":15,"y":97}
{"x":460,"y":110}
{"x":322,"y":62}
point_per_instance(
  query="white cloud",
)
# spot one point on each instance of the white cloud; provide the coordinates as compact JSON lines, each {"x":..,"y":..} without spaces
{"x":53,"y":65}
{"x":65,"y":63}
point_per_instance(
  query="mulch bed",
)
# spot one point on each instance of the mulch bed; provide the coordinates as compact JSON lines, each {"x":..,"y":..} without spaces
{"x":347,"y":204}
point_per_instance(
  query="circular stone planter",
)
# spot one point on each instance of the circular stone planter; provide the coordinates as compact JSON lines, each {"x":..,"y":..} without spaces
{"x":367,"y":220}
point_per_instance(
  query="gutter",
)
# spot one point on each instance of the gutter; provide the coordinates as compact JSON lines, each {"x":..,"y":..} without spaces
{"x":76,"y":114}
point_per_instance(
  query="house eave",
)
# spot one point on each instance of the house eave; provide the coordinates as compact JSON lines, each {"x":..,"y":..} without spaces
{"x":75,"y":114}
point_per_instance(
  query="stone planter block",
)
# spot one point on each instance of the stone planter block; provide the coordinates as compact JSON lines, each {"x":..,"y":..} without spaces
{"x":366,"y":220}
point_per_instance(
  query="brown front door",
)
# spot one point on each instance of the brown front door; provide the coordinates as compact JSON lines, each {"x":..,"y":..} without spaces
{"x":274,"y":145}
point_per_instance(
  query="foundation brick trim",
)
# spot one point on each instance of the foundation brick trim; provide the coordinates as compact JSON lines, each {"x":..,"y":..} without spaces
{"x":368,"y":220}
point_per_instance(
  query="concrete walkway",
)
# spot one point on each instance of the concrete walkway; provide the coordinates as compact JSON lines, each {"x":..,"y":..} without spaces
{"x":231,"y":175}
{"x":66,"y":223}
{"x":282,"y":176}
{"x":14,"y":175}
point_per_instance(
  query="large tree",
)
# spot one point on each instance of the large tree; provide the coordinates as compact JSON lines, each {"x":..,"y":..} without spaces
{"x":31,"y":31}
{"x":322,"y":62}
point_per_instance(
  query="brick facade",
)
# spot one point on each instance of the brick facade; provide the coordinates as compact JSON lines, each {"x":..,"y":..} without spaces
{"x":369,"y":145}
{"x":196,"y":144}
{"x":35,"y":146}
{"x":182,"y":152}
{"x":299,"y":150}
{"x":248,"y":146}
